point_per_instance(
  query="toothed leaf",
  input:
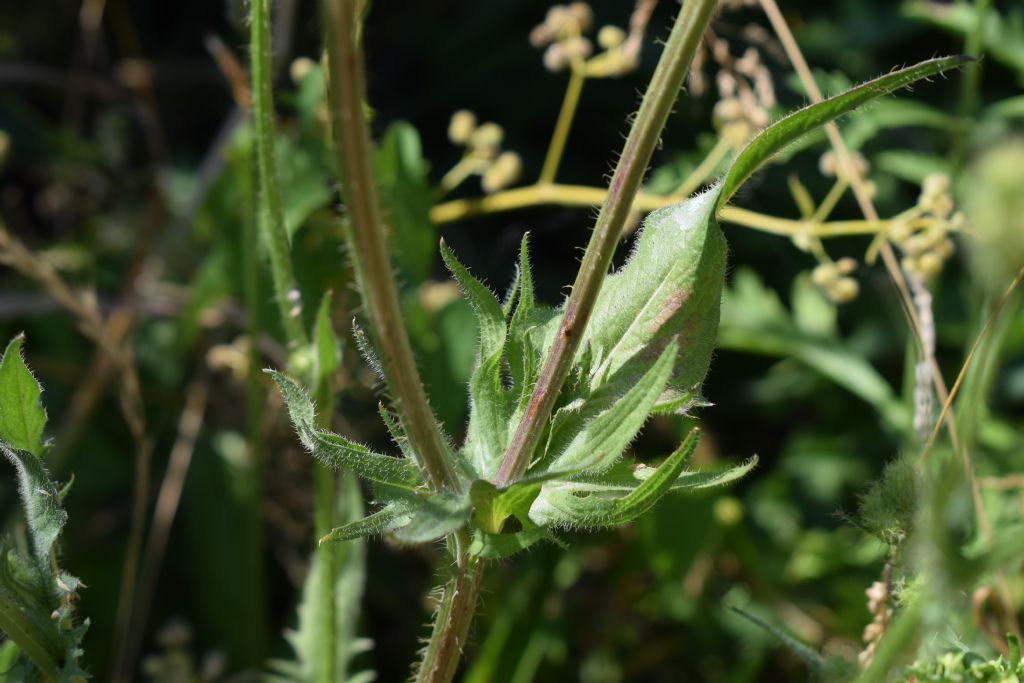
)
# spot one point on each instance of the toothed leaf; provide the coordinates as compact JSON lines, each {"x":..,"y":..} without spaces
{"x":335,"y":450}
{"x":490,"y":410}
{"x":392,"y":516}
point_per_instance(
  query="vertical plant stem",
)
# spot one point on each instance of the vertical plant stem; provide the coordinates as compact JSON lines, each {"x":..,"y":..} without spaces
{"x":365,"y":232}
{"x":454,"y":616}
{"x":657,"y":103}
{"x":271,"y":210}
{"x":967,"y":105}
{"x":286,"y":293}
{"x":565,"y":117}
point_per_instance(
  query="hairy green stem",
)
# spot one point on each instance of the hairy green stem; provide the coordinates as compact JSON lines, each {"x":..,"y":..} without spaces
{"x":364,"y":229}
{"x":454,"y":616}
{"x":657,"y":104}
{"x":271,"y":209}
{"x":286,"y":292}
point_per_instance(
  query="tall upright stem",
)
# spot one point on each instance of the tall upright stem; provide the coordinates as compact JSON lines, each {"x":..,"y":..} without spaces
{"x":365,"y":231}
{"x":629,"y":173}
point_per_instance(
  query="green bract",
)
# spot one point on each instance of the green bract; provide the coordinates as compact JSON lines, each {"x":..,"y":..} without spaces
{"x":647,"y":349}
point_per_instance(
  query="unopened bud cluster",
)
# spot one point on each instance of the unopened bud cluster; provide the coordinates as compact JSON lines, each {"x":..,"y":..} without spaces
{"x":563,"y":35}
{"x":745,"y":91}
{"x":923,"y":235}
{"x":831,"y":167}
{"x":483,"y":155}
{"x":833,"y":278}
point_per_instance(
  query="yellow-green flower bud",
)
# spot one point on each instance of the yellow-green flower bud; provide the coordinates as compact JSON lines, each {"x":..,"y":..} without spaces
{"x":502,"y":173}
{"x":844,"y":290}
{"x":300,"y":68}
{"x":825,"y":275}
{"x":487,"y":137}
{"x":610,"y":37}
{"x":462,"y":126}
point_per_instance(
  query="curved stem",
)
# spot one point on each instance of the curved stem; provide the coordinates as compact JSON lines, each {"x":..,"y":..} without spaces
{"x":629,"y":173}
{"x":365,"y":232}
{"x":562,"y":126}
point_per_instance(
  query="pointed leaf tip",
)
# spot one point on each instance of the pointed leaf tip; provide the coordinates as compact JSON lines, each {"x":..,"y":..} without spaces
{"x":801,"y":122}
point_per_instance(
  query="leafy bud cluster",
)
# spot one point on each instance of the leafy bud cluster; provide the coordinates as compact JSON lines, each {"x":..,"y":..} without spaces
{"x":745,"y":93}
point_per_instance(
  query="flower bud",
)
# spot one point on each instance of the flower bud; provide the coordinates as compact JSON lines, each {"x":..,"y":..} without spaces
{"x":502,"y":173}
{"x":610,"y":37}
{"x":462,"y":126}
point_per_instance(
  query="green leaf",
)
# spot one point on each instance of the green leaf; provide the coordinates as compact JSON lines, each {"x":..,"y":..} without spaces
{"x":392,"y":516}
{"x":22,"y":417}
{"x":755,"y":321}
{"x":433,"y":517}
{"x":794,"y":126}
{"x":618,"y":498}
{"x":41,"y":500}
{"x":594,"y":510}
{"x":497,"y":546}
{"x":669,"y":289}
{"x":492,"y":507}
{"x":603,"y":440}
{"x":401,"y":174}
{"x":490,"y":410}
{"x":325,"y":345}
{"x":335,"y":450}
{"x":490,"y":318}
{"x":313,"y":647}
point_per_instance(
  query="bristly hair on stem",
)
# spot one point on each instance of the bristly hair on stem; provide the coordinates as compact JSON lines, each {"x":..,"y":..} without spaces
{"x":365,"y":232}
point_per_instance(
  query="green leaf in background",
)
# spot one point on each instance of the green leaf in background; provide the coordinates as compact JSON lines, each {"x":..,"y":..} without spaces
{"x":794,"y":126}
{"x":306,"y":640}
{"x":21,"y":411}
{"x":755,"y":321}
{"x":669,"y":289}
{"x":401,"y":174}
{"x":1002,"y":36}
